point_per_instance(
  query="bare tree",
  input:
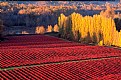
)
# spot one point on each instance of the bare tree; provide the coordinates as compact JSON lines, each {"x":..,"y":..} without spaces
{"x":1,"y":28}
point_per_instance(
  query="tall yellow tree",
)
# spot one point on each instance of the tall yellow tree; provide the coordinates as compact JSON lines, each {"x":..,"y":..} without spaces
{"x":97,"y":29}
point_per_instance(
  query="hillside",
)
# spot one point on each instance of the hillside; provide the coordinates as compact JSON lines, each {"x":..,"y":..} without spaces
{"x":46,"y":57}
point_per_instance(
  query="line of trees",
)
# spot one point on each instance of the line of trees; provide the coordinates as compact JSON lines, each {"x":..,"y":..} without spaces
{"x":97,"y":29}
{"x":42,"y":30}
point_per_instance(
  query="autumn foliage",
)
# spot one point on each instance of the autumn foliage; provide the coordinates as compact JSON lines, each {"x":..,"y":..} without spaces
{"x":40,"y":30}
{"x":24,"y":32}
{"x":109,"y":12}
{"x":97,"y":29}
{"x":56,"y":28}
{"x":49,"y":29}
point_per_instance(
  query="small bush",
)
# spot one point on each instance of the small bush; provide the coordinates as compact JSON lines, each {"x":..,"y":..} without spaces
{"x":24,"y":32}
{"x":40,"y":30}
{"x":49,"y":29}
{"x":56,"y":28}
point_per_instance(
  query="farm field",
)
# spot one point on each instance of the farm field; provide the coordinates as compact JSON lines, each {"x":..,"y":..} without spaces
{"x":46,"y":57}
{"x":86,"y":70}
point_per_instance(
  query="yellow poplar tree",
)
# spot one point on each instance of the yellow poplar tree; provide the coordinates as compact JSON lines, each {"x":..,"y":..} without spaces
{"x":97,"y":29}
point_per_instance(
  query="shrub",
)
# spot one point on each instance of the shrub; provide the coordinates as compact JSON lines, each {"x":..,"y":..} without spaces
{"x":56,"y":28}
{"x":49,"y":29}
{"x":40,"y":30}
{"x":24,"y":32}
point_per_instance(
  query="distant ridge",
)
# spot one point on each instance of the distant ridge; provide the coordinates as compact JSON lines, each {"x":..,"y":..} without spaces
{"x":58,"y":0}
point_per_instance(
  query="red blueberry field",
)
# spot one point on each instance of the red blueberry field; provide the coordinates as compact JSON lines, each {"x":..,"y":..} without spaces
{"x":50,"y":58}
